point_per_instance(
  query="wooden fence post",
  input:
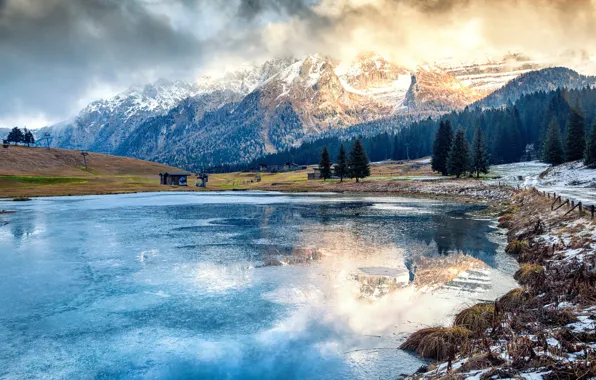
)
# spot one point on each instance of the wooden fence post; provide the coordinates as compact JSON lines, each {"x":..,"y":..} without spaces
{"x":552,"y":206}
{"x":573,"y":208}
{"x":592,"y":211}
{"x":562,"y":204}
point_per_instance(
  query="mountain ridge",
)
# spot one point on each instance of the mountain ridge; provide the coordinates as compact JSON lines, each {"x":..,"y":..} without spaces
{"x":263,"y":109}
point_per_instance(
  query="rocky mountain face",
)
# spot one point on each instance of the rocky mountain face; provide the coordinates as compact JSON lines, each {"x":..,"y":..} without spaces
{"x":104,"y":124}
{"x":263,"y":109}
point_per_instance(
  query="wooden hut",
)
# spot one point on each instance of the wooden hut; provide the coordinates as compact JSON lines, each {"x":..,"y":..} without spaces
{"x":174,"y":178}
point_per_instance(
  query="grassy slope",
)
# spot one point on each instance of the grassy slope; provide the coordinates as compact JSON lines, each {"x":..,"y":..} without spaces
{"x":297,"y":181}
{"x":41,"y":172}
{"x":38,"y":171}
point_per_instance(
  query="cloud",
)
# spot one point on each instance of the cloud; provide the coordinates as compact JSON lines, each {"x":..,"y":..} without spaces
{"x":54,"y":53}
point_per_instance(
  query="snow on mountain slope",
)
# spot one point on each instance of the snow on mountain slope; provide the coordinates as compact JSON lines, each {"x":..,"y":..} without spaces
{"x":258,"y":109}
{"x":373,"y":76}
{"x":244,"y":79}
{"x":491,"y":74}
{"x":103,"y":124}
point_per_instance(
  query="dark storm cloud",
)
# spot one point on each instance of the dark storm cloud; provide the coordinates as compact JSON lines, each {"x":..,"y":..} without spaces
{"x":51,"y":50}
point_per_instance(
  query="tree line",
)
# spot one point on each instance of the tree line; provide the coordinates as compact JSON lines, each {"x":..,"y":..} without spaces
{"x":452,"y":154}
{"x":577,"y":145}
{"x":355,"y":166}
{"x":515,"y":132}
{"x":16,"y":136}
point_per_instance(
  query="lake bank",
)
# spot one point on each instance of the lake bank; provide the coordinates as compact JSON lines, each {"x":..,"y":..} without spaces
{"x":463,"y":190}
{"x":543,"y":329}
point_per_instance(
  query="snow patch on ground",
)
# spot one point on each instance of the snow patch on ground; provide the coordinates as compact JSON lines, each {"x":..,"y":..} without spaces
{"x":573,"y":174}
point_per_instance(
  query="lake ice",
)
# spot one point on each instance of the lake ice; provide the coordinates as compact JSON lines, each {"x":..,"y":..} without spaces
{"x":234,"y":285}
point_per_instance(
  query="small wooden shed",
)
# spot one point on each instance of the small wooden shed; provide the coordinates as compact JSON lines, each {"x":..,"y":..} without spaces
{"x":174,"y":178}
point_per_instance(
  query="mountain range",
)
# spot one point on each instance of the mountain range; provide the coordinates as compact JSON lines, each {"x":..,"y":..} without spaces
{"x":262,"y":109}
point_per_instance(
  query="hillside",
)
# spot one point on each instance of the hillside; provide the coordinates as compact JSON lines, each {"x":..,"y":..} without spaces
{"x":38,"y":171}
{"x":545,"y":80}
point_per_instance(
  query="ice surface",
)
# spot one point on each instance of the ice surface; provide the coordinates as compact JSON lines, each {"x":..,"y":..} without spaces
{"x":167,"y":285}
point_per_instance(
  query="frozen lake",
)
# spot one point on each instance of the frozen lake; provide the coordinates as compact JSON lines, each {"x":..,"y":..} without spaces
{"x":234,"y":285}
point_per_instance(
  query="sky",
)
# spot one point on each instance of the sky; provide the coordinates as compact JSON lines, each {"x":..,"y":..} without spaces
{"x":56,"y":56}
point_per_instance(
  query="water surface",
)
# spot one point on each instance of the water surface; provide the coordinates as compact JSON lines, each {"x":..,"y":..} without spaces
{"x":176,"y":285}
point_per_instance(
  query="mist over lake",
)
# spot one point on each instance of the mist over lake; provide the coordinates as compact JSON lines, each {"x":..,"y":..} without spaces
{"x":235,"y":285}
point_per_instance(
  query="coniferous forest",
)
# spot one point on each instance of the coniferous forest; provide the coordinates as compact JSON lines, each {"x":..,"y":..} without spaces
{"x":516,"y":132}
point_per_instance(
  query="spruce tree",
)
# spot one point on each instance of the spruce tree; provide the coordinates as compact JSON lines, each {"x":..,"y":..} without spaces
{"x":553,"y":146}
{"x":341,"y":169}
{"x":458,"y":162}
{"x":590,"y":156}
{"x":325,"y":164}
{"x":479,"y":156}
{"x":358,"y":166}
{"x":575,"y":139}
{"x":441,"y":147}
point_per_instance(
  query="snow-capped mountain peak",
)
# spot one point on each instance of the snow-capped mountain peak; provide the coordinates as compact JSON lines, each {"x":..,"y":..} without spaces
{"x":256,"y":109}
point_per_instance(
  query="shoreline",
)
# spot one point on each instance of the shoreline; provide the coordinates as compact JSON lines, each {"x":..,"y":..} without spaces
{"x":462,"y":190}
{"x":546,"y":327}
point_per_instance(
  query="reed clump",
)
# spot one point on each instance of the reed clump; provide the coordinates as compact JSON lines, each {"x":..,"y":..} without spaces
{"x":438,"y":343}
{"x":477,"y":318}
{"x":516,"y":246}
{"x":513,"y":299}
{"x":530,"y":275}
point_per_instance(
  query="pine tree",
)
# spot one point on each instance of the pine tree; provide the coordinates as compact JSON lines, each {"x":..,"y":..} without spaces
{"x":441,"y":147}
{"x":15,"y":135}
{"x":590,"y":156}
{"x":358,"y":166}
{"x":575,"y":139}
{"x":479,"y":156}
{"x":325,"y":164}
{"x":341,"y":169}
{"x":553,"y":146}
{"x":458,"y":162}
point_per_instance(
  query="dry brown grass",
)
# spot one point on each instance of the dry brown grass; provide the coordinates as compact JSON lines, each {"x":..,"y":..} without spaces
{"x":516,"y":246}
{"x":27,"y":172}
{"x":558,"y":317}
{"x":505,"y":220}
{"x":530,"y":275}
{"x":514,"y":299}
{"x":477,"y":318}
{"x":438,"y":343}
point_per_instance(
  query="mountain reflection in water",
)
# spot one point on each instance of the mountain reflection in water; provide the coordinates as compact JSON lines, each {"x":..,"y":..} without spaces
{"x":234,"y":285}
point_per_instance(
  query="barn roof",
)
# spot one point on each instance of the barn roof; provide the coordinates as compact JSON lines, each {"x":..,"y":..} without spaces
{"x":175,"y":173}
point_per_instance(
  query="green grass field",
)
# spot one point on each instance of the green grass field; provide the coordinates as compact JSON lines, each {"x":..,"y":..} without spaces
{"x":41,"y":180}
